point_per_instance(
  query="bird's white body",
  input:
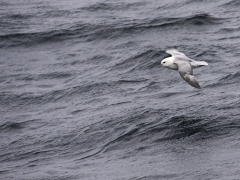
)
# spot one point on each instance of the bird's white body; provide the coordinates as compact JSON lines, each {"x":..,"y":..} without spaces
{"x":169,"y":63}
{"x":183,"y":64}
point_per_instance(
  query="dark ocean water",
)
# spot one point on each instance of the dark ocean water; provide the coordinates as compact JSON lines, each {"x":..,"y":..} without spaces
{"x":81,"y":96}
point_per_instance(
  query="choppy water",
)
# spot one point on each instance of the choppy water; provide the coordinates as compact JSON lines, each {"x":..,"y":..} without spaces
{"x":81,"y":96}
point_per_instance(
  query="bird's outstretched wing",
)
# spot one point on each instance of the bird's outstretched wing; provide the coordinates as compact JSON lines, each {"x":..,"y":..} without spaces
{"x":190,"y":79}
{"x":175,"y":52}
{"x":186,"y":72}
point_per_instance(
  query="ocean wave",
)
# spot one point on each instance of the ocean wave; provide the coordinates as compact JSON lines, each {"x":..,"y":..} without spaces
{"x":184,"y":126}
{"x":148,"y":133}
{"x":230,"y":78}
{"x":140,"y":61}
{"x":11,"y":126}
{"x":29,"y":39}
{"x":5,"y":4}
{"x":232,"y":3}
{"x":111,"y":30}
{"x":169,"y":129}
{"x":17,"y":17}
{"x":112,"y":6}
{"x":196,"y":20}
{"x":50,"y":75}
{"x":21,"y":100}
{"x":202,"y":19}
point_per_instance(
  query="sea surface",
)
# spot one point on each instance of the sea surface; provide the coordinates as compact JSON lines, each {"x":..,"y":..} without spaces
{"x":82,"y":97}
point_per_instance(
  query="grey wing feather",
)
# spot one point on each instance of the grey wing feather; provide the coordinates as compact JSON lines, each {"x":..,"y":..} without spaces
{"x":175,"y":52}
{"x":184,"y":66}
{"x":190,"y":79}
{"x":186,"y":72}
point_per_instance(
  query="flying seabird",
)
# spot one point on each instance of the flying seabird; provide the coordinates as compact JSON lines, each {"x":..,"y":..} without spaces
{"x":184,"y":65}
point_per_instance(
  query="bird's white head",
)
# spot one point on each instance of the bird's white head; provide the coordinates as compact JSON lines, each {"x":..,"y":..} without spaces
{"x":167,"y":62}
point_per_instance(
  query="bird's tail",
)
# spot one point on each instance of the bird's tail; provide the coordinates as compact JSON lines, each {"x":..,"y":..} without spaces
{"x":202,"y":63}
{"x":196,"y":64}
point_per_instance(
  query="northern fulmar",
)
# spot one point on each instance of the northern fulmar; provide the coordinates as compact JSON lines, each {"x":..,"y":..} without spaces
{"x":184,"y":65}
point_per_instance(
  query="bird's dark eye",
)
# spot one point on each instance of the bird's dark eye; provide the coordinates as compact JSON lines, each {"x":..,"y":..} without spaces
{"x":163,"y":62}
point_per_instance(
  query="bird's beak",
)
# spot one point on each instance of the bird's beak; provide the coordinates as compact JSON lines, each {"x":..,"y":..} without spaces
{"x":160,"y":66}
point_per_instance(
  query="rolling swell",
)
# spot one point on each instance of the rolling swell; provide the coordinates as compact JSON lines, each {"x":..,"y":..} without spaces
{"x":93,"y":32}
{"x":144,"y":135}
{"x":29,"y":39}
{"x":230,"y":78}
{"x":232,"y":4}
{"x":112,"y":6}
{"x":203,"y":19}
{"x":140,"y":61}
{"x":176,"y":127}
{"x":10,"y":126}
{"x":81,"y":95}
